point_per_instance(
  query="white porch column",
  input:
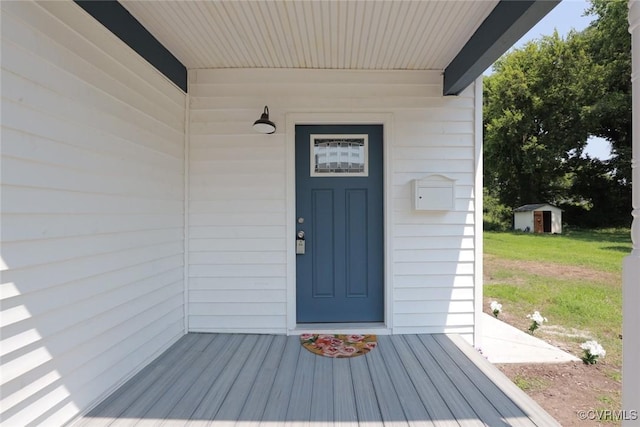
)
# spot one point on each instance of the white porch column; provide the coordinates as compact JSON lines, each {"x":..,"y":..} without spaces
{"x":631,"y":266}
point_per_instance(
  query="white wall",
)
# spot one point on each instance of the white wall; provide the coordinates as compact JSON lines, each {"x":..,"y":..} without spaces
{"x":239,"y":246}
{"x":92,"y":212}
{"x":522,"y":220}
{"x":556,"y":221}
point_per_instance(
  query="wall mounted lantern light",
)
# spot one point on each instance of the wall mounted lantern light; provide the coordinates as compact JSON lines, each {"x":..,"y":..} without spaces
{"x":263,"y":124}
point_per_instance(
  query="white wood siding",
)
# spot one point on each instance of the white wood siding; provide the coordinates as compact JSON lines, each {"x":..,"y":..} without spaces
{"x":238,"y":202}
{"x":92,"y":212}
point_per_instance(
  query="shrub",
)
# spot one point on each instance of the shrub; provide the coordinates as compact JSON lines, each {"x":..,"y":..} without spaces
{"x":496,"y":216}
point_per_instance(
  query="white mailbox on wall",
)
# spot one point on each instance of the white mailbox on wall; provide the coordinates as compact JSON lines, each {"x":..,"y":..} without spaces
{"x":434,"y":193}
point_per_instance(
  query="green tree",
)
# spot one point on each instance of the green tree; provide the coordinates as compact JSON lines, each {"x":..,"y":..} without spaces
{"x":534,"y":120}
{"x":608,"y":44}
{"x":541,"y":105}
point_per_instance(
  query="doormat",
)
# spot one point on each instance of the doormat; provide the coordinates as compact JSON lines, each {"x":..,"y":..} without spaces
{"x":338,"y":345}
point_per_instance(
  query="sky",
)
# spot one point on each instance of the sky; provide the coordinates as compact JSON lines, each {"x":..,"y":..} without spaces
{"x":564,"y":17}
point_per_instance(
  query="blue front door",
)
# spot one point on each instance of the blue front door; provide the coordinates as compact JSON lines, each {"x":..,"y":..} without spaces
{"x":340,"y":265}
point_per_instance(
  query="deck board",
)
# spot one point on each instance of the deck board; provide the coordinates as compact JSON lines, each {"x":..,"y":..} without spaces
{"x":476,"y":400}
{"x":113,"y":406}
{"x":412,"y":405}
{"x":138,"y":408}
{"x":278,"y":402}
{"x":388,"y":401}
{"x":344,"y":401}
{"x":322,"y":394}
{"x":187,"y":404}
{"x":239,"y":392}
{"x":460,"y":409}
{"x":215,"y":396}
{"x":250,"y":380}
{"x":161,"y":408}
{"x":533,"y":411}
{"x":366,"y":402}
{"x":299,"y":412}
{"x":427,"y":392}
{"x":256,"y":402}
{"x":513,"y":414}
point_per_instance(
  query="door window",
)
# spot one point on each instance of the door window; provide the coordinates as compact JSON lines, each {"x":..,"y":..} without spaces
{"x":339,"y":155}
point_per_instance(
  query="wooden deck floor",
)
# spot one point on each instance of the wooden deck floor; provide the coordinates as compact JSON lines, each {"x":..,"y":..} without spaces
{"x":229,"y":379}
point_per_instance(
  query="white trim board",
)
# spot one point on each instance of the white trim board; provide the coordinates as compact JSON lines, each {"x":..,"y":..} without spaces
{"x":478,"y":220}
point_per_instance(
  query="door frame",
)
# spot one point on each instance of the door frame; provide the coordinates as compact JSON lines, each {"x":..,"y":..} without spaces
{"x":338,"y":118}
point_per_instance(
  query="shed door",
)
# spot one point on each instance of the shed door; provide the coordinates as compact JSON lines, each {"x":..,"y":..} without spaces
{"x":339,"y":277}
{"x":538,"y":222}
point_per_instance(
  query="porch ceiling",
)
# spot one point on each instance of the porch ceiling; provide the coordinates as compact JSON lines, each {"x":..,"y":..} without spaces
{"x":376,"y":35}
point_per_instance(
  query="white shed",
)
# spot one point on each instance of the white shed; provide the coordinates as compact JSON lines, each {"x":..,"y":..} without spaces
{"x":538,"y":218}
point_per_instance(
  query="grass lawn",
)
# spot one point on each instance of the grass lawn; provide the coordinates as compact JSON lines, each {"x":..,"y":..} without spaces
{"x":573,"y":279}
{"x":597,"y":249}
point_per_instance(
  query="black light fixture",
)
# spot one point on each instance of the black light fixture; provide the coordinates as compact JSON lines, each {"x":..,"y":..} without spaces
{"x":263,"y":124}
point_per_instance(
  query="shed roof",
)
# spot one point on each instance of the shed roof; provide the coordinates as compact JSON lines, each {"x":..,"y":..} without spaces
{"x":533,"y":207}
